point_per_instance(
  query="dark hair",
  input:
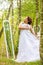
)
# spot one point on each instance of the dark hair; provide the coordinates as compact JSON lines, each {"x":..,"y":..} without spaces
{"x":29,"y":20}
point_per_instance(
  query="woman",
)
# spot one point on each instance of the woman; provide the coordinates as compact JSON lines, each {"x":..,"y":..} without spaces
{"x":28,"y":49}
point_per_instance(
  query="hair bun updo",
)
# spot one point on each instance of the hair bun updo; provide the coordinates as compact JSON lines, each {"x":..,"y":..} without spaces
{"x":29,"y":20}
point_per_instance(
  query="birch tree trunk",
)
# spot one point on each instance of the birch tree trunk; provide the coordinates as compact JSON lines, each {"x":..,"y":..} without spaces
{"x":19,"y":13}
{"x":19,"y":10}
{"x":41,"y":33}
{"x":18,"y":19}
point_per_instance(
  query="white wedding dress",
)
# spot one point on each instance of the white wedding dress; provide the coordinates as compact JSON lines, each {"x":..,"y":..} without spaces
{"x":28,"y":49}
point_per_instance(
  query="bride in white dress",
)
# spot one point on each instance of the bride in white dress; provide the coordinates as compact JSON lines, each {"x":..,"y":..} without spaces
{"x":28,"y":49}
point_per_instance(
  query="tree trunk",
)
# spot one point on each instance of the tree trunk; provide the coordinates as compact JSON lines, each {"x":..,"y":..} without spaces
{"x":37,"y":14}
{"x":12,"y":24}
{"x":19,"y":18}
{"x":19,"y":10}
{"x":41,"y":33}
{"x":1,"y":32}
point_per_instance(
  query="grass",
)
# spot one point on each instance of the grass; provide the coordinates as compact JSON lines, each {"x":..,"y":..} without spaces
{"x":5,"y":61}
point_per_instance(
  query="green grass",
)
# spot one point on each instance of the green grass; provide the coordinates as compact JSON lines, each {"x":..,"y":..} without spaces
{"x":5,"y":61}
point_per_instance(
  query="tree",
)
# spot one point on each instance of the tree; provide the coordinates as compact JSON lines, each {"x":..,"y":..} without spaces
{"x":41,"y":33}
{"x":18,"y":21}
{"x":37,"y":14}
{"x":19,"y":10}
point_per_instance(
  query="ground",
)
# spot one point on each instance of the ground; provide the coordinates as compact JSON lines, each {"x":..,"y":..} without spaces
{"x":5,"y":61}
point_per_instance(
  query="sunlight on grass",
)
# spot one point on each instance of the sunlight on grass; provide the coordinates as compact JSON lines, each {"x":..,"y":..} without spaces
{"x":4,"y":61}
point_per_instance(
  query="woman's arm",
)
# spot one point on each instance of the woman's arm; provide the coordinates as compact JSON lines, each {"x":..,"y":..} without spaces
{"x":21,"y":27}
{"x":31,"y":29}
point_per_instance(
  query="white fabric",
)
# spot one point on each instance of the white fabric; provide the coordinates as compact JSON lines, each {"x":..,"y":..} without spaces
{"x":28,"y":49}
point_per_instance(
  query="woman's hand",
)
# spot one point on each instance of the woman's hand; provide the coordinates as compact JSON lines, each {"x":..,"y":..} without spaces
{"x":38,"y":37}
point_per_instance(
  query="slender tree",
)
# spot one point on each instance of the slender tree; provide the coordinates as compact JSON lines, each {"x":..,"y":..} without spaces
{"x":19,"y":10}
{"x":37,"y":14}
{"x":41,"y":32}
{"x":12,"y":24}
{"x":19,"y":19}
{"x":1,"y":29}
{"x":12,"y":19}
{"x":19,"y":14}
